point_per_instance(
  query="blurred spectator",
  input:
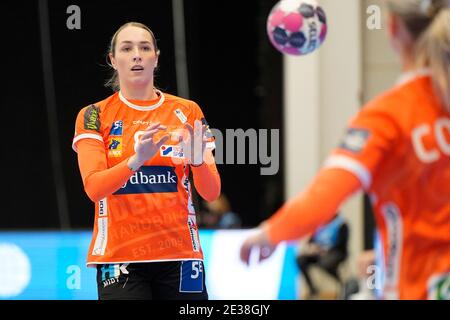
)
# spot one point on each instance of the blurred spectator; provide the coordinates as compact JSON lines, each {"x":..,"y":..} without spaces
{"x":327,"y":249}
{"x":219,"y":215}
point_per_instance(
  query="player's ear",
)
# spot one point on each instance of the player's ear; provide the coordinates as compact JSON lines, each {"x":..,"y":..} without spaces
{"x":112,"y":61}
{"x":158,"y":52}
{"x":156,"y":64}
{"x":393,"y":30}
{"x":392,"y":25}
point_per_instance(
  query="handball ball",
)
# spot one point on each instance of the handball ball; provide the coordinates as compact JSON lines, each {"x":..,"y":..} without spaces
{"x":297,"y":27}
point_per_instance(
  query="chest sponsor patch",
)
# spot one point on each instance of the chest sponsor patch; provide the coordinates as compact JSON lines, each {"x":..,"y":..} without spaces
{"x":151,"y":179}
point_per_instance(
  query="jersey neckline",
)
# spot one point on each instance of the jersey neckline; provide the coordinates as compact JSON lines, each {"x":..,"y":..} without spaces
{"x":412,"y":75}
{"x":150,"y":107}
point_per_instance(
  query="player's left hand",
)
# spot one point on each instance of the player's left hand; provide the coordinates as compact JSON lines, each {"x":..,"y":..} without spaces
{"x":194,"y":143}
{"x":259,"y":240}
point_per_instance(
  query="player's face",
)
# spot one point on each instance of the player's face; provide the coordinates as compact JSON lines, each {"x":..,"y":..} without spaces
{"x":134,"y":56}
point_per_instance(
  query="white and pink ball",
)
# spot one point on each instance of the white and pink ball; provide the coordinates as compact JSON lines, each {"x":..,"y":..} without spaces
{"x":297,"y":27}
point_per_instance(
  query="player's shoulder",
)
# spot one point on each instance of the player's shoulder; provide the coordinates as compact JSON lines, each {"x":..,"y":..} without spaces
{"x":102,"y":105}
{"x":180,"y":102}
{"x":400,"y":100}
{"x":396,"y":107}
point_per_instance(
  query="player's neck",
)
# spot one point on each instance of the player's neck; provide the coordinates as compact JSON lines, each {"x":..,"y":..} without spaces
{"x":408,"y":63}
{"x":146,"y":93}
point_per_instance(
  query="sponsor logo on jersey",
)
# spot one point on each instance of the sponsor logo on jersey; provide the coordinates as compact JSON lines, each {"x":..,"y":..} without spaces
{"x":439,"y":287}
{"x":101,"y":239}
{"x":193,"y":232}
{"x":92,"y":118}
{"x":141,"y":122}
{"x":151,"y":179}
{"x":180,"y":115}
{"x":394,"y":224}
{"x":102,"y":208}
{"x":115,"y":142}
{"x":171,"y":151}
{"x":187,"y":188}
{"x":355,"y":140}
{"x":115,"y":147}
{"x":116,"y":128}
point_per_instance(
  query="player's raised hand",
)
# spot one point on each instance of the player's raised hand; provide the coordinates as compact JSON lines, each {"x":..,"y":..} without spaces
{"x":194,"y":143}
{"x":147,"y":146}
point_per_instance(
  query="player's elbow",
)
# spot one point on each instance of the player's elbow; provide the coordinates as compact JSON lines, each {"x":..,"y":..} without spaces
{"x":92,"y":192}
{"x":210,"y":197}
{"x":93,"y":195}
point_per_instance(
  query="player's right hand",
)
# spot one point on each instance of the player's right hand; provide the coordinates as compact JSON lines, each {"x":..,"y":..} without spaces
{"x":147,"y":147}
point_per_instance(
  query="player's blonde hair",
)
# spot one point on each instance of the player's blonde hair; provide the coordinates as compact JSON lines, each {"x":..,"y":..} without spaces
{"x":428,"y":22}
{"x":113,"y":81}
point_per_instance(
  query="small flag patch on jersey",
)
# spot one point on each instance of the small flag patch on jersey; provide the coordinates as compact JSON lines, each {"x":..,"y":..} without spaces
{"x":171,"y":151}
{"x":355,"y":140}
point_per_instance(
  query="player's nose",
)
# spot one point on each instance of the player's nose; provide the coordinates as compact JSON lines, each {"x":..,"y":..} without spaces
{"x":136,"y":55}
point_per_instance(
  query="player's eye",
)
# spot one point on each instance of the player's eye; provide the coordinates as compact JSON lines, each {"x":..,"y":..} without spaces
{"x":126,"y":49}
{"x":146,"y":48}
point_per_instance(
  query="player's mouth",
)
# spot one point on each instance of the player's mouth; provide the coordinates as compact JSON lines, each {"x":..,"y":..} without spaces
{"x":137,"y":68}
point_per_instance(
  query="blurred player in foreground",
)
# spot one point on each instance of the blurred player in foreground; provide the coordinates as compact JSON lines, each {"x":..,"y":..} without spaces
{"x":398,"y":150}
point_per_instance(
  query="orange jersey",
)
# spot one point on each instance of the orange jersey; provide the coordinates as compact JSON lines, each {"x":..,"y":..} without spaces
{"x":399,"y":148}
{"x":151,"y":216}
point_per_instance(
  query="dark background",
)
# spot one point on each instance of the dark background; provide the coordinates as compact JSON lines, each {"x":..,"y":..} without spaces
{"x":234,"y":74}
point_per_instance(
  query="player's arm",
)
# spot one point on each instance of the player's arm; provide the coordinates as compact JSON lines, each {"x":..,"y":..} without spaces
{"x":207,"y":178}
{"x":314,"y":207}
{"x":370,"y":138}
{"x":303,"y":214}
{"x":100,"y":181}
